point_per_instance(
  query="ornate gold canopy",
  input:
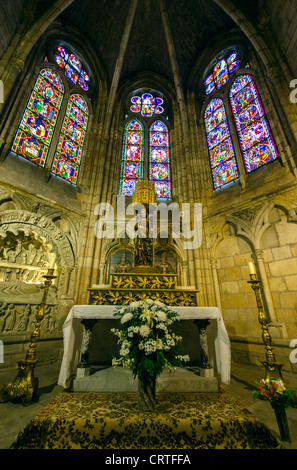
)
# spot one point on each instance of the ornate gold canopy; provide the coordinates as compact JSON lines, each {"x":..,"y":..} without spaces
{"x":145,"y":193}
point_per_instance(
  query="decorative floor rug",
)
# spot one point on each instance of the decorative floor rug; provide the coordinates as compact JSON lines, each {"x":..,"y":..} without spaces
{"x":112,"y":421}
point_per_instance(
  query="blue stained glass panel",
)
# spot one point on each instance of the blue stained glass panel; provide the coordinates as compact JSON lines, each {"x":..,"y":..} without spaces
{"x":67,"y":159}
{"x":224,"y":173}
{"x":216,"y":118}
{"x":221,"y":72}
{"x":219,"y":134}
{"x":221,"y":151}
{"x":38,"y":122}
{"x":147,"y":105}
{"x":212,"y":106}
{"x":163,"y":189}
{"x":128,"y":187}
{"x":239,"y":83}
{"x":132,"y":157}
{"x":260,"y":154}
{"x":159,"y":159}
{"x":257,"y":144}
{"x":75,"y":62}
{"x":72,"y":66}
{"x":71,"y":74}
{"x":159,"y":155}
{"x":249,"y":115}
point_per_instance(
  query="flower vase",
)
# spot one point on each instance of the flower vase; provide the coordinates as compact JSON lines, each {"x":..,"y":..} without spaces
{"x":147,"y":393}
{"x":282,"y":421}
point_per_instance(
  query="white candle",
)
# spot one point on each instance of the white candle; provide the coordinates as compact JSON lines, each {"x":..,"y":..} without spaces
{"x":52,"y":261}
{"x":252,"y":268}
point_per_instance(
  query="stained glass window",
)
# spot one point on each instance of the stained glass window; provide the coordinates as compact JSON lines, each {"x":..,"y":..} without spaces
{"x":159,"y":158}
{"x":221,"y":72}
{"x":221,"y":151}
{"x":132,"y":157}
{"x":257,"y":144}
{"x":71,"y":141}
{"x":147,"y":105}
{"x":72,"y":67}
{"x":39,"y":119}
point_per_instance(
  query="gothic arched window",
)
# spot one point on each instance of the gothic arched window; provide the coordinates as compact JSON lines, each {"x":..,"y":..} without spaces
{"x":256,"y":141}
{"x":146,"y":144}
{"x":72,"y":67}
{"x":69,"y":150}
{"x":257,"y":145}
{"x":35,"y":131}
{"x":219,"y":74}
{"x":34,"y":137}
{"x":159,"y":159}
{"x":132,"y":157}
{"x":221,"y":151}
{"x":147,"y":105}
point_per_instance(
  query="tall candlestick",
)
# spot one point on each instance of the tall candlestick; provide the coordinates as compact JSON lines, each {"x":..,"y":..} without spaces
{"x":24,"y":387}
{"x":52,"y":261}
{"x":252,"y":268}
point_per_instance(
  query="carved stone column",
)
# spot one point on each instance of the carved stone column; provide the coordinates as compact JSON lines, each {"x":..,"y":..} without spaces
{"x":83,"y":367}
{"x":206,"y":369}
{"x":101,"y":272}
{"x":214,"y":267}
{"x":185,"y":272}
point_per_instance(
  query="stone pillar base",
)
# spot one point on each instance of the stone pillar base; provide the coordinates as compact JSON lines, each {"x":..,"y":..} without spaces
{"x":82,"y":372}
{"x":208,"y":373}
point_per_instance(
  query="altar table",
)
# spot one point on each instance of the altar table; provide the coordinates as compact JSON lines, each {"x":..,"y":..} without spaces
{"x":72,"y":335}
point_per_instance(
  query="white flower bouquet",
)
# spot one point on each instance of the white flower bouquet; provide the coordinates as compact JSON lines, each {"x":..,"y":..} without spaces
{"x":148,"y":344}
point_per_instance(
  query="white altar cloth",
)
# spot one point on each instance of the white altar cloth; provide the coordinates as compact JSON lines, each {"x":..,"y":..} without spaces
{"x":72,"y":335}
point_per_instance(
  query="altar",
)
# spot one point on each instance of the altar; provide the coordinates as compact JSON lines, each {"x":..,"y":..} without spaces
{"x":77,"y":339}
{"x":136,"y":282}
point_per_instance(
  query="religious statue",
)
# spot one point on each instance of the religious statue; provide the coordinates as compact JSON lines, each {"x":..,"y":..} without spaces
{"x":143,"y":243}
{"x":165,"y":267}
{"x":124,"y":266}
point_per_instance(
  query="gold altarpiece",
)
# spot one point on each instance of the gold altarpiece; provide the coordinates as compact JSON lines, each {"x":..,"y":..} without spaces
{"x":143,"y":281}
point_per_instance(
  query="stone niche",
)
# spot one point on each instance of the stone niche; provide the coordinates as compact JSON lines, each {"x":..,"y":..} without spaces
{"x":27,"y":241}
{"x":24,"y":260}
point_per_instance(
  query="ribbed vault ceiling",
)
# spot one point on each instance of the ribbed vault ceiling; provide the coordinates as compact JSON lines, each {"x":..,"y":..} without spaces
{"x":193,"y":25}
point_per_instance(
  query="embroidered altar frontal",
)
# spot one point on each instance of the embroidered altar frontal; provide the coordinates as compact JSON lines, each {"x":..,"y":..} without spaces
{"x":112,"y":421}
{"x":134,"y":287}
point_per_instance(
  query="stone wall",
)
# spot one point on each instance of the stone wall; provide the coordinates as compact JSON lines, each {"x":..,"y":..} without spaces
{"x":255,"y":218}
{"x":10,"y":14}
{"x":282,"y":19}
{"x":30,"y":233}
{"x":266,"y":235}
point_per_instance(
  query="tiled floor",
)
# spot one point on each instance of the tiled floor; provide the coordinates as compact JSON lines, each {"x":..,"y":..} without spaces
{"x":14,"y":417}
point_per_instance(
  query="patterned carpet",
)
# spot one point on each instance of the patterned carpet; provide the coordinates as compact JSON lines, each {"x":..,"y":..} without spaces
{"x":112,"y":421}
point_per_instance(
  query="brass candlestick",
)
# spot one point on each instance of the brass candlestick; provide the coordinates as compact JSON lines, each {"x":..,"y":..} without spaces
{"x":25,"y":385}
{"x":272,"y":367}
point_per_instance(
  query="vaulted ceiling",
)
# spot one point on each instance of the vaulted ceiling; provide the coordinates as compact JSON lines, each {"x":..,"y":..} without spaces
{"x":193,"y":25}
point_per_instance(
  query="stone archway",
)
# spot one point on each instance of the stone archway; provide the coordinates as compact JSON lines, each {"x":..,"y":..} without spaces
{"x":27,"y":240}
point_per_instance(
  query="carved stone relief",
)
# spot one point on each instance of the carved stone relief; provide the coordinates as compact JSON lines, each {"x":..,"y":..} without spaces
{"x":20,"y":318}
{"x":27,"y":240}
